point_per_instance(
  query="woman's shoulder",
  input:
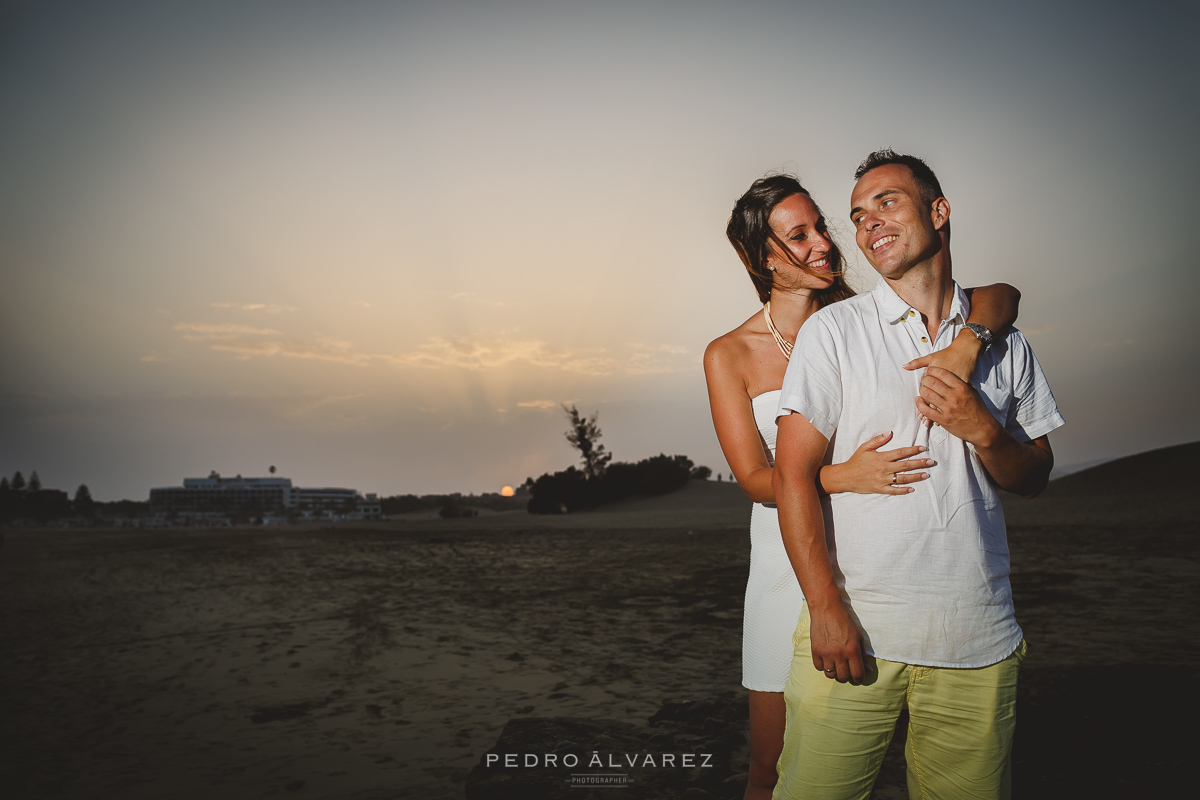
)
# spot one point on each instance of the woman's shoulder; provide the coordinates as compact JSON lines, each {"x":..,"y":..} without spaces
{"x":738,"y":341}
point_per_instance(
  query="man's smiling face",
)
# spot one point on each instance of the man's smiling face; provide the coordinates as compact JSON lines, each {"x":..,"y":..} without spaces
{"x":894,"y":227}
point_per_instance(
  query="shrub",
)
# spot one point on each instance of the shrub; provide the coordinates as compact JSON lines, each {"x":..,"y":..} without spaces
{"x":572,"y":490}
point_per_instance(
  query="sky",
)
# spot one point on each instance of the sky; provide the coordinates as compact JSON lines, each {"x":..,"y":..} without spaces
{"x":377,"y":245}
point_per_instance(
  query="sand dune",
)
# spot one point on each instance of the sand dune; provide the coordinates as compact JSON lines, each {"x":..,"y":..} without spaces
{"x":366,"y":661}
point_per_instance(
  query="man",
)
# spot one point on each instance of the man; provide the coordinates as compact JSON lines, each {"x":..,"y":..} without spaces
{"x":908,"y":603}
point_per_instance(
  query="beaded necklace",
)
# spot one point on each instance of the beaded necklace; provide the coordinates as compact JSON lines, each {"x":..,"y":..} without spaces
{"x":785,"y":346}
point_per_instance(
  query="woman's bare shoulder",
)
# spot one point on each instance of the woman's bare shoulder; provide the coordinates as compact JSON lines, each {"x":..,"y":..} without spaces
{"x":738,"y":341}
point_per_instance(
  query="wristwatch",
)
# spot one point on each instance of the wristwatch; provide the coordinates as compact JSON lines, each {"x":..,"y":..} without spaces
{"x":981,"y":333}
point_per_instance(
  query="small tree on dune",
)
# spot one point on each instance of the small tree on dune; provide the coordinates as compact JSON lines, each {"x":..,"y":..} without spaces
{"x":83,"y":502}
{"x":18,"y":481}
{"x":35,"y":483}
{"x":584,"y":436}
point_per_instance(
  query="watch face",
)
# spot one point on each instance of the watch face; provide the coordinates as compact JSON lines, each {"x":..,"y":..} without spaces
{"x":982,"y":333}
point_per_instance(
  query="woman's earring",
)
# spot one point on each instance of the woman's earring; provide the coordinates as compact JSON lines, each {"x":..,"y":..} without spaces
{"x":770,"y":266}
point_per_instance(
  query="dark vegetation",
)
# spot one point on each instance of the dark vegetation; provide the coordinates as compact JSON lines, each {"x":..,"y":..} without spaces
{"x":27,"y":503}
{"x":600,"y":482}
{"x":452,"y":506}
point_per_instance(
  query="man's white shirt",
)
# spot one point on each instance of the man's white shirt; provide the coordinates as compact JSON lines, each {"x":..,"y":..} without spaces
{"x":925,"y":574}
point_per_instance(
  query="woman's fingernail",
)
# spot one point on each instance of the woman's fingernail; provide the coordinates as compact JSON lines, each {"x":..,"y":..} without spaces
{"x":929,"y":462}
{"x":921,"y":448}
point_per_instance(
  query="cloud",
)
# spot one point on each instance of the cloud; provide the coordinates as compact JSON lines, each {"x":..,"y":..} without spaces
{"x":269,"y":308}
{"x":245,"y":341}
{"x":473,"y":353}
{"x":312,"y":405}
{"x":154,"y":356}
{"x":655,"y":359}
{"x":540,"y":405}
{"x":221,"y":328}
{"x":479,"y":353}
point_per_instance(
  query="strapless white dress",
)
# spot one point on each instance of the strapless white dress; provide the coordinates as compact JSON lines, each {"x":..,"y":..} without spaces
{"x":773,"y":594}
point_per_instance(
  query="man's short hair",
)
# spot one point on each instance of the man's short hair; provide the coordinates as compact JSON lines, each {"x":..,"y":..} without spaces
{"x":926,"y":181}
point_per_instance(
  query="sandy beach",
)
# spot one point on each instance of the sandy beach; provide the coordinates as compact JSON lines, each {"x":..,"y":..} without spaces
{"x":382,"y":660}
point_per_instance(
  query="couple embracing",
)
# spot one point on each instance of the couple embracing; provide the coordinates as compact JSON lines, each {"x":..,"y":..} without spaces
{"x":878,"y":577}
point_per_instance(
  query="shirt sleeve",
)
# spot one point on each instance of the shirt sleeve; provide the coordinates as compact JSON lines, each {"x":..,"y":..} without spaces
{"x":812,"y":385}
{"x":1033,"y":412}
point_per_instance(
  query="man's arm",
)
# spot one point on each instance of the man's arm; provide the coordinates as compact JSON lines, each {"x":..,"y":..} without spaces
{"x":836,"y":641}
{"x":1019,"y":467}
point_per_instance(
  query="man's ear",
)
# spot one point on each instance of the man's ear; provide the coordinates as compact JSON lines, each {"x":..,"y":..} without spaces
{"x":940,"y":213}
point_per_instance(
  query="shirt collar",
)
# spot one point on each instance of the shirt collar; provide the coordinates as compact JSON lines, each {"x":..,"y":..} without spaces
{"x":960,"y":306}
{"x":894,"y":308}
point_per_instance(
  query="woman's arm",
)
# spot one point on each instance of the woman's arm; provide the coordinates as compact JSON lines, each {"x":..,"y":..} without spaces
{"x":995,"y":308}
{"x":869,"y":470}
{"x":733,"y":419}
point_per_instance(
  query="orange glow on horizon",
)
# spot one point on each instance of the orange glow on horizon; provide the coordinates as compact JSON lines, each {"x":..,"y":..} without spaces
{"x":507,"y":491}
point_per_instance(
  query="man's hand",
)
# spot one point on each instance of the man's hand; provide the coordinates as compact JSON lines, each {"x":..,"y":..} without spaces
{"x":837,"y":648}
{"x":951,"y":402}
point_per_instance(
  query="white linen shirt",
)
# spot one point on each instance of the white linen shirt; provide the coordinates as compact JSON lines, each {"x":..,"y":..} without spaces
{"x":924,"y":574}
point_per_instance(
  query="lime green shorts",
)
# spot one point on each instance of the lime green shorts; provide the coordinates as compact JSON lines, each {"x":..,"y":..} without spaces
{"x":960,"y":728}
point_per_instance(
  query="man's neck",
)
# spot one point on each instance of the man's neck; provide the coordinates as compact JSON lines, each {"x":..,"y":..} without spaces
{"x":929,"y":288}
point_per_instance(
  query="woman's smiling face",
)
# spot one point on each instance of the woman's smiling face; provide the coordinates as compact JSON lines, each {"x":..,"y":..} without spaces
{"x":799,"y":226}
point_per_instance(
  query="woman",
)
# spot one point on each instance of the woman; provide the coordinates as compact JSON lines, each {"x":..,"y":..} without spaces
{"x":780,"y":235}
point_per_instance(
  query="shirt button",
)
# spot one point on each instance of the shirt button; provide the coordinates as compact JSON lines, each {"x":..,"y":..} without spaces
{"x":912,"y":313}
{"x":923,"y":339}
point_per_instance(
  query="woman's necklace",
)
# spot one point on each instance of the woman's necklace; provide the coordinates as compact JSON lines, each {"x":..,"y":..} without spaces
{"x":785,"y":346}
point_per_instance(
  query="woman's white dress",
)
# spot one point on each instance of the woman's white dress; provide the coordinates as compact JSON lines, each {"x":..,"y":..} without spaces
{"x":772,"y":593}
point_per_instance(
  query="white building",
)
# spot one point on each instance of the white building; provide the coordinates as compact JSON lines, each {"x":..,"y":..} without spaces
{"x":370,"y":508}
{"x":257,"y":496}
